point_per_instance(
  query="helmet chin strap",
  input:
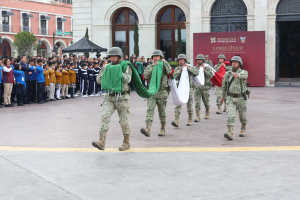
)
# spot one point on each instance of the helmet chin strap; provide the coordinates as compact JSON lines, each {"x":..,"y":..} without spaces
{"x":114,"y":63}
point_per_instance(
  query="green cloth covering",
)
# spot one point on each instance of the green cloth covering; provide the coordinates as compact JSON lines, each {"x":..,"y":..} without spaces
{"x":154,"y":83}
{"x":112,"y":78}
{"x":140,"y":67}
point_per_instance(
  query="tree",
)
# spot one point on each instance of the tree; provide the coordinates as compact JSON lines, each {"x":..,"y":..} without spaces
{"x":136,"y":40}
{"x":87,"y":55}
{"x":179,"y":42}
{"x":24,"y":43}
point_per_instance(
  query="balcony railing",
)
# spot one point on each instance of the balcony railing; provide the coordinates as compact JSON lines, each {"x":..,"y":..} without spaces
{"x":43,"y":31}
{"x":26,"y":29}
{"x":6,"y":28}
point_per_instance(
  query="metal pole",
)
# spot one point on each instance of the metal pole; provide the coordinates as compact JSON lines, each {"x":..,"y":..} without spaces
{"x":53,"y":41}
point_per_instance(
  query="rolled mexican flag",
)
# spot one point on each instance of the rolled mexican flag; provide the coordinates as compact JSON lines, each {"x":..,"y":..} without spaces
{"x":218,"y":76}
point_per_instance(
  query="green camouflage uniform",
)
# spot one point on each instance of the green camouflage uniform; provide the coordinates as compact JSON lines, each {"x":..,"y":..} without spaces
{"x":218,"y":90}
{"x":209,"y":62}
{"x":193,"y":71}
{"x":235,"y":104}
{"x":112,"y":103}
{"x":160,"y":98}
{"x":202,"y":92}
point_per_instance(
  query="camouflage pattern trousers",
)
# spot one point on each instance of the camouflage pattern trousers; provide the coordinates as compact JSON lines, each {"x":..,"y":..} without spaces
{"x":161,"y":106}
{"x":233,"y":105}
{"x":189,"y":105}
{"x":204,"y":95}
{"x":108,"y":109}
{"x":218,"y":92}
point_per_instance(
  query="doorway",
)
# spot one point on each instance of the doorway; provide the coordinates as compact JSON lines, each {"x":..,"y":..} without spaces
{"x":288,"y":51}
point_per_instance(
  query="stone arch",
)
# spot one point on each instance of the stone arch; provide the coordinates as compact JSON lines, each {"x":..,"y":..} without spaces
{"x":209,"y":4}
{"x":155,"y":11}
{"x":115,"y":7}
{"x":62,"y":45}
{"x":272,"y":6}
{"x":48,"y":45}
{"x":10,"y":41}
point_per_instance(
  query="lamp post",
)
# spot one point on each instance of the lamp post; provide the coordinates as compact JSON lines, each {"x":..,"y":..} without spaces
{"x":71,"y":42}
{"x":40,"y":42}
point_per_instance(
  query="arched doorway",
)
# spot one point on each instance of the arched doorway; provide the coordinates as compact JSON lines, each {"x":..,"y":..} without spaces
{"x":228,"y":16}
{"x":288,"y":40}
{"x":60,"y":44}
{"x":168,"y":20}
{"x":123,"y":30}
{"x":5,"y":49}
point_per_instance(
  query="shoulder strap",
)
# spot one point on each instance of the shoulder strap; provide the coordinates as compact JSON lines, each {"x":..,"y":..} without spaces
{"x":230,"y":82}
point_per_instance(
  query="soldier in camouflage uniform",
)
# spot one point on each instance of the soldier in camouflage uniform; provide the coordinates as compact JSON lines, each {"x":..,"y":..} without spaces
{"x":218,"y":90}
{"x":192,"y":71}
{"x":207,"y":61}
{"x":236,"y":98}
{"x":202,"y":92}
{"x":160,"y":98}
{"x":113,"y":102}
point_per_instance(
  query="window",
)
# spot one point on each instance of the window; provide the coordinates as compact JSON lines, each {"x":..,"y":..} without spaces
{"x":122,"y":30}
{"x":169,"y":19}
{"x":5,"y":24}
{"x":25,"y":23}
{"x":229,"y":16}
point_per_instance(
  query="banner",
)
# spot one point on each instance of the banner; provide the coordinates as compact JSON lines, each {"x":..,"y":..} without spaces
{"x":249,"y":45}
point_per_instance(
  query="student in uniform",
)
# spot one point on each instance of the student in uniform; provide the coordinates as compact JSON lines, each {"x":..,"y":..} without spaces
{"x":58,"y":84}
{"x":47,"y":82}
{"x":20,"y":83}
{"x":40,"y":81}
{"x":91,"y":79}
{"x":31,"y":83}
{"x":72,"y":76}
{"x":52,"y":80}
{"x":65,"y":82}
{"x":8,"y":81}
{"x":84,"y":81}
{"x":96,"y":73}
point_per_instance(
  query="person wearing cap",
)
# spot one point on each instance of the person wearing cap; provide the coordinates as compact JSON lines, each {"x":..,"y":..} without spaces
{"x":160,"y":98}
{"x":202,"y":92}
{"x":218,"y":90}
{"x":234,"y":88}
{"x":207,"y":61}
{"x":192,"y":71}
{"x":115,"y":79}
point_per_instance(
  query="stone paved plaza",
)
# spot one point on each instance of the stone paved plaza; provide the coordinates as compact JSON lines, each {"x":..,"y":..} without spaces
{"x":46,"y":152}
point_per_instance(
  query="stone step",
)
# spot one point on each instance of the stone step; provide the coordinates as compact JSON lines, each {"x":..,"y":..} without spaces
{"x":287,"y":84}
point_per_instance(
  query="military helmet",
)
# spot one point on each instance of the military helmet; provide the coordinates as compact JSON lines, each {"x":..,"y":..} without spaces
{"x":200,"y":57}
{"x":115,"y":51}
{"x":182,"y":56}
{"x":222,"y":56}
{"x":237,"y":58}
{"x":157,"y":53}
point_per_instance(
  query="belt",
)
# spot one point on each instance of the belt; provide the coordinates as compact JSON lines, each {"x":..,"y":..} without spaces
{"x":235,"y":95}
{"x":122,"y":93}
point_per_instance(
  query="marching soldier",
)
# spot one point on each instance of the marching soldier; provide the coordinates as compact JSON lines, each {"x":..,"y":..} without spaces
{"x":192,"y":71}
{"x":218,"y":90}
{"x":160,"y":98}
{"x":234,"y":87}
{"x":203,"y":91}
{"x":115,"y":101}
{"x":207,"y":61}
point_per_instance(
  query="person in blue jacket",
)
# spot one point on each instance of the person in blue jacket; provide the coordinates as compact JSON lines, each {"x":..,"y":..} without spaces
{"x":20,"y":83}
{"x":31,"y":82}
{"x":25,"y":69}
{"x":40,"y":81}
{"x":1,"y":85}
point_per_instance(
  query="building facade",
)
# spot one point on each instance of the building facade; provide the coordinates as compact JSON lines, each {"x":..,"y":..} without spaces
{"x":43,"y":18}
{"x":111,"y":23}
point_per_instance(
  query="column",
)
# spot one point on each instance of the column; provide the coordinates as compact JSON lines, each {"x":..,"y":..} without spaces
{"x":147,"y":39}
